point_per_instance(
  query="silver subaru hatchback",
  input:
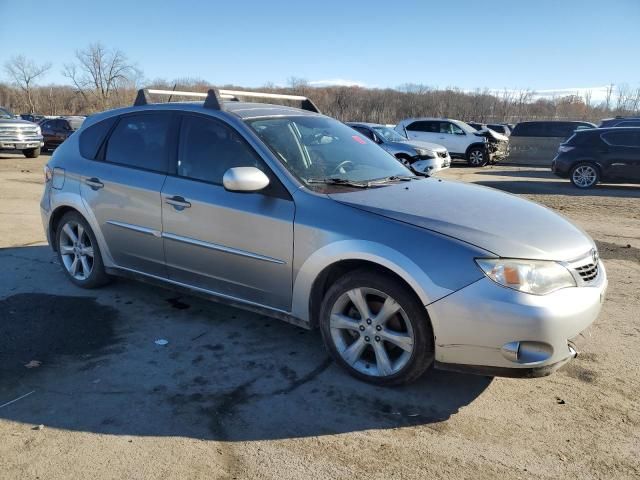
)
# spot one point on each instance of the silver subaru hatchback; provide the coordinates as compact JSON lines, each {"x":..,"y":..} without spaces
{"x":293,"y":214}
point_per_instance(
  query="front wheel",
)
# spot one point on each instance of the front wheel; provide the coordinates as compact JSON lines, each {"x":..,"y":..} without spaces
{"x":31,"y":152}
{"x":376,"y":329}
{"x":477,"y":157}
{"x":585,"y":175}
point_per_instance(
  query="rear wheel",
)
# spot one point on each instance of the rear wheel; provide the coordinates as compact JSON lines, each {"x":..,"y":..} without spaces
{"x":477,"y":157}
{"x":585,"y":175}
{"x":79,"y":253}
{"x":376,"y":329}
{"x":31,"y":152}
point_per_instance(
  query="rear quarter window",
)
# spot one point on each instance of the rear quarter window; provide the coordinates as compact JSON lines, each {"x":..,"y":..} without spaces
{"x":92,"y":137}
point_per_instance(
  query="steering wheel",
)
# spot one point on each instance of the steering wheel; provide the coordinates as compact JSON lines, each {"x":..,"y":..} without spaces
{"x":341,"y":168}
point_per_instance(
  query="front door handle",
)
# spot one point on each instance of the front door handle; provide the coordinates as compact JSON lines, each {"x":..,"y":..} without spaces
{"x":178,"y":202}
{"x":94,"y":183}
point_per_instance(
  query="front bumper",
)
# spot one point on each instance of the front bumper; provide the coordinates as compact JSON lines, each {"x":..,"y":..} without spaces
{"x":476,"y":326}
{"x":431,"y":165}
{"x":19,"y":143}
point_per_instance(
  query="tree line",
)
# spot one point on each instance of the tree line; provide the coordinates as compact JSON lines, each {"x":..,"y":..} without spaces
{"x":100,"y":78}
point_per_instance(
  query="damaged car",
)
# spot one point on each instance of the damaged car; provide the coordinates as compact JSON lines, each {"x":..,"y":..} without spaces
{"x":423,"y":157}
{"x":478,"y":148}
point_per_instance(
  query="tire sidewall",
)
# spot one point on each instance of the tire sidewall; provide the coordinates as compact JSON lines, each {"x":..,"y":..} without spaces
{"x":422,"y":354}
{"x":98,"y":276}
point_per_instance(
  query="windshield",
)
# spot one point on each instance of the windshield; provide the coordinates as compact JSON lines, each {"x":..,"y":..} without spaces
{"x":320,"y":148}
{"x":5,"y":113}
{"x":389,"y":134}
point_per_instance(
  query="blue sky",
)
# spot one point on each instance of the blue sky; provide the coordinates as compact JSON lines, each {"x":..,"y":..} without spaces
{"x":542,"y":45}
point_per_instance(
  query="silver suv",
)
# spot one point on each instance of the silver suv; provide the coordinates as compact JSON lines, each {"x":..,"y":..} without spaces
{"x":290,"y":213}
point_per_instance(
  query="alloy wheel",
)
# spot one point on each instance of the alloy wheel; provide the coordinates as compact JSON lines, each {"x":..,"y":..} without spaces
{"x":476,"y":157}
{"x":76,"y":250}
{"x":371,"y":332}
{"x":584,"y":176}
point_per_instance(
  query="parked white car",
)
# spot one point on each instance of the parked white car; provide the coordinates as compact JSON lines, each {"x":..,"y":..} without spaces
{"x":461,"y":140}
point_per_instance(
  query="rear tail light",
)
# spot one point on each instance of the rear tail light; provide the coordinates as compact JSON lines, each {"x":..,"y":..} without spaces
{"x":48,"y":174}
{"x":565,"y":148}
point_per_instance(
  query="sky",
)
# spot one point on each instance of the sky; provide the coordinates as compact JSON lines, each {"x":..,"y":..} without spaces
{"x":540,"y":45}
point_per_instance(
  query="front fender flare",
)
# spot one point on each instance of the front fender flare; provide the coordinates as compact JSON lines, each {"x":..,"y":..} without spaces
{"x":365,"y":250}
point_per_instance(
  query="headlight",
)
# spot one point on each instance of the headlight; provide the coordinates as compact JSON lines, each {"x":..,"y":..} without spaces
{"x":423,"y":152}
{"x":538,"y":277}
{"x":39,"y":130}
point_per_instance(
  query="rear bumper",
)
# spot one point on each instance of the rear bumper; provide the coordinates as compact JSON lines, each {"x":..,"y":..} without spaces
{"x":488,"y":329}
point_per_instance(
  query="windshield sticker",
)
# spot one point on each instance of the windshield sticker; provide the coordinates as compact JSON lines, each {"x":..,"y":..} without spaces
{"x":358,"y":139}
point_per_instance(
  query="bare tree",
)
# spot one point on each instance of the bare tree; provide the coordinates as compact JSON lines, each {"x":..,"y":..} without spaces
{"x":100,"y":72}
{"x":24,"y":73}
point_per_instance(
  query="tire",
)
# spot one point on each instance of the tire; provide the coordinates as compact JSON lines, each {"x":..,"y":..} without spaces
{"x":78,"y":251}
{"x":584,"y":175}
{"x":404,"y":160}
{"x":356,"y":343}
{"x":31,"y":152}
{"x":477,"y":157}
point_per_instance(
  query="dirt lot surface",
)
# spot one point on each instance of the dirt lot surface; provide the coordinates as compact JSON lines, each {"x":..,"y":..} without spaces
{"x":237,"y":395}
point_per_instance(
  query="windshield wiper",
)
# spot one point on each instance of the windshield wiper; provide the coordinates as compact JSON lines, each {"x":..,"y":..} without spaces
{"x":393,"y":178}
{"x":339,"y":181}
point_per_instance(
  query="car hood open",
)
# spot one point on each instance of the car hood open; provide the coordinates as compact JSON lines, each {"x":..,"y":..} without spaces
{"x":497,"y":222}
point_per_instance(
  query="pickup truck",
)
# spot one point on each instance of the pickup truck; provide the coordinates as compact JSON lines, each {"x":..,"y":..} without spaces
{"x":18,"y":135}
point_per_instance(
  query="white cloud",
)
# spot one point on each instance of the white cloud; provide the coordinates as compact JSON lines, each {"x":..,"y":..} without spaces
{"x":337,"y":82}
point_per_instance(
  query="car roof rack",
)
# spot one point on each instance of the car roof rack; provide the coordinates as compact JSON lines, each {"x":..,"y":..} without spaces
{"x":213,"y":98}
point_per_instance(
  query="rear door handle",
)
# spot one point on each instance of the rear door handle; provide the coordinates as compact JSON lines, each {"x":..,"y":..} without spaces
{"x":178,"y":202}
{"x":94,"y":183}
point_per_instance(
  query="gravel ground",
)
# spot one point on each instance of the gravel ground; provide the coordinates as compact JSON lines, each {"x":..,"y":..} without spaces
{"x":238,"y":395}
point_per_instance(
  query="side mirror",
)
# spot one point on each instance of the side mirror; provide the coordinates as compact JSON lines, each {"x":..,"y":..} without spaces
{"x":244,"y":179}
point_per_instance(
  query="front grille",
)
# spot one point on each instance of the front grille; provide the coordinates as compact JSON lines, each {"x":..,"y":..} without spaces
{"x":588,"y":272}
{"x":16,"y":130}
{"x":442,"y":154}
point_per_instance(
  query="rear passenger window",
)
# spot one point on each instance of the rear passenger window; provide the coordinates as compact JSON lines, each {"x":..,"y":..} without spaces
{"x":92,"y":137}
{"x":208,"y":148}
{"x":364,"y":131}
{"x":622,"y":139}
{"x":424,"y":126}
{"x":141,"y":141}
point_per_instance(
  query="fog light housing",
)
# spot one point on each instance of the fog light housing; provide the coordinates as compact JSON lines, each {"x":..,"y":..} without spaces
{"x":526,"y":352}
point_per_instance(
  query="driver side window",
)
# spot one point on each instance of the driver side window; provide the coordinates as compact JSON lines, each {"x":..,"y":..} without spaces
{"x":209,"y":148}
{"x":450,"y":128}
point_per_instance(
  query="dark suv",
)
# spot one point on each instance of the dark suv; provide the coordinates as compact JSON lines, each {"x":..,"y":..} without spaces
{"x":600,"y":154}
{"x":620,"y":122}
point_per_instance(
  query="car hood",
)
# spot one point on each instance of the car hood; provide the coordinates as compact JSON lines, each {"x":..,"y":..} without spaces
{"x":498,"y":222}
{"x":492,"y":135}
{"x":13,"y":121}
{"x":434,"y":147}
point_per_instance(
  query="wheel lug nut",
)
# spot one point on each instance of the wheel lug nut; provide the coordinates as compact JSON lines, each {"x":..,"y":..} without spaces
{"x":367,"y":339}
{"x":361,"y":328}
{"x":378,"y":327}
{"x":377,"y":338}
{"x":368,"y":321}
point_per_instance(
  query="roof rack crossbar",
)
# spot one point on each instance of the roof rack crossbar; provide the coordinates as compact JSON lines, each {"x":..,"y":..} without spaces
{"x":305,"y":103}
{"x":213,"y":98}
